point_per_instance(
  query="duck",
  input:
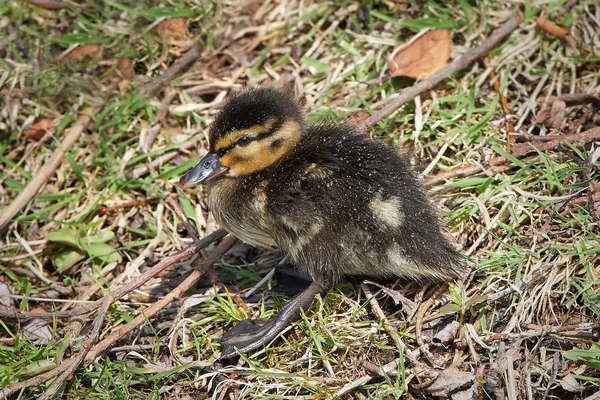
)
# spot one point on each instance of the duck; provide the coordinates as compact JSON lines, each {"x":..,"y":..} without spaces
{"x":337,"y":203}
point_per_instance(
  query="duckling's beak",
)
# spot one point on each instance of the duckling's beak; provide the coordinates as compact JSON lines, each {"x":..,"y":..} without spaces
{"x":207,"y":169}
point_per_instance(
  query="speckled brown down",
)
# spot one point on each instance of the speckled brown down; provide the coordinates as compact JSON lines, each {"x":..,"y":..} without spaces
{"x":336,"y":202}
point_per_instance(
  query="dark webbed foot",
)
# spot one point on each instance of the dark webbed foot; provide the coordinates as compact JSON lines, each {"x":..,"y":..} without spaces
{"x":249,"y":335}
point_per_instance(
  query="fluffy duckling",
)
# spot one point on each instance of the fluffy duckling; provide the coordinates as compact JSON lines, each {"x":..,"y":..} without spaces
{"x":335,"y":202}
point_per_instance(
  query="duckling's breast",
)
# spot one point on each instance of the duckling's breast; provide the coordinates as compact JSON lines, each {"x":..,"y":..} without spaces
{"x":239,"y":207}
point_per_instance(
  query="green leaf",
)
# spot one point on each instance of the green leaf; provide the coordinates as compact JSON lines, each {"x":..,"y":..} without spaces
{"x":67,"y":259}
{"x":450,"y":309}
{"x":316,"y":64}
{"x":475,"y":301}
{"x":591,"y":356}
{"x":102,"y":236}
{"x":456,"y":292}
{"x":104,"y":252}
{"x":66,"y":236}
{"x":36,"y":368}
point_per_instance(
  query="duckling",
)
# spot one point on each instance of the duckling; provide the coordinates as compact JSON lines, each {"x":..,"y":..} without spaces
{"x":337,"y":203}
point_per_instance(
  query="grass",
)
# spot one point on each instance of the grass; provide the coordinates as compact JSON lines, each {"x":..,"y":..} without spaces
{"x":511,"y":222}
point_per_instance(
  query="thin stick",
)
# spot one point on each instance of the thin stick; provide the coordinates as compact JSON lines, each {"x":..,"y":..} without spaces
{"x":519,"y":150}
{"x":183,"y":287}
{"x":423,"y":310}
{"x":173,"y":71}
{"x":157,"y":162}
{"x":78,"y":359}
{"x":46,"y":171}
{"x":66,"y":367}
{"x":167,"y":262}
{"x":160,"y":116}
{"x":409,"y":93}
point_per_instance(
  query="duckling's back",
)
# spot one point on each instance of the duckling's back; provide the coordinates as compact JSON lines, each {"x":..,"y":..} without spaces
{"x":341,"y":204}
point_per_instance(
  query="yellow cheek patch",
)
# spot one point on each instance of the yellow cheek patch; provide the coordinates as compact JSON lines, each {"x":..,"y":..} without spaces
{"x":263,"y":152}
{"x":229,"y":139}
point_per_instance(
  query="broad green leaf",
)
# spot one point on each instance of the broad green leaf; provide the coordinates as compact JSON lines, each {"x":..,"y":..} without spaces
{"x":450,"y":309}
{"x":102,"y":236}
{"x":66,"y":236}
{"x":67,"y":259}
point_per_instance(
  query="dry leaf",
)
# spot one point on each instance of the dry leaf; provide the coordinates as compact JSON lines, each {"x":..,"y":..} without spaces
{"x":40,"y":128}
{"x":551,"y":114}
{"x":452,"y":383}
{"x":48,"y":4}
{"x":422,"y":58}
{"x":570,"y":384}
{"x":125,"y":69}
{"x":85,"y":50}
{"x":172,"y":28}
{"x":559,"y":31}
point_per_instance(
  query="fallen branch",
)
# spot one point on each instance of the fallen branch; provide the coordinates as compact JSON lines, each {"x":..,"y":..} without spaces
{"x":89,"y":352}
{"x":159,"y":118}
{"x":141,"y":171}
{"x":116,"y":294}
{"x":409,"y":93}
{"x":172,"y":72}
{"x":66,"y":367}
{"x":47,"y":170}
{"x":519,"y":150}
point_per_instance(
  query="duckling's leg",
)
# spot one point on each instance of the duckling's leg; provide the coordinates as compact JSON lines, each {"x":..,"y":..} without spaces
{"x":252,"y":334}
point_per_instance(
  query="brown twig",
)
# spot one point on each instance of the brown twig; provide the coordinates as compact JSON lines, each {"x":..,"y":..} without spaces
{"x":183,"y":287}
{"x":47,"y":170}
{"x":48,"y":4}
{"x":66,"y":367}
{"x":522,"y":285}
{"x":173,"y":71}
{"x":510,"y":127}
{"x":409,"y":93}
{"x":518,"y":151}
{"x":423,"y":310}
{"x":167,"y":262}
{"x":175,"y":205}
{"x":576,"y":99}
{"x":127,"y":204}
{"x":78,"y":359}
{"x":157,"y":162}
{"x":558,"y":31}
{"x":383,"y":319}
{"x":159,"y":118}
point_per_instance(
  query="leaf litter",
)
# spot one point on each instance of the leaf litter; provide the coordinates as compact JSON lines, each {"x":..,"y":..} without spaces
{"x":507,"y":217}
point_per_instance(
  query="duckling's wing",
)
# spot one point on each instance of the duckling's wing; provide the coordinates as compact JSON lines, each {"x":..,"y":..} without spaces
{"x":353,"y":207}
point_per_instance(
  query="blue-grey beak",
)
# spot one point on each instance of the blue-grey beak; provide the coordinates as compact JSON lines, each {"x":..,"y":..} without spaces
{"x":207,"y":169}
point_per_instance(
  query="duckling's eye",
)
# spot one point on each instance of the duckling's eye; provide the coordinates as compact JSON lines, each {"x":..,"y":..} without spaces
{"x":245,"y":141}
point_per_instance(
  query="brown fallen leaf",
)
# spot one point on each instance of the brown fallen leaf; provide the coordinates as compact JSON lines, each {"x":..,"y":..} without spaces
{"x":450,"y":382}
{"x":48,"y":4}
{"x":85,"y":50}
{"x":560,"y":31}
{"x":423,"y":57}
{"x":40,"y":128}
{"x":125,"y":69}
{"x":551,"y":114}
{"x":172,"y":29}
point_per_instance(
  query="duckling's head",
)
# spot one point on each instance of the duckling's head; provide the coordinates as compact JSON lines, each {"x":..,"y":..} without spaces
{"x":255,"y":129}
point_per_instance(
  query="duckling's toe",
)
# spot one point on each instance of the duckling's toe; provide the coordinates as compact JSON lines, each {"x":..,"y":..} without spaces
{"x":245,"y":336}
{"x":251,"y":334}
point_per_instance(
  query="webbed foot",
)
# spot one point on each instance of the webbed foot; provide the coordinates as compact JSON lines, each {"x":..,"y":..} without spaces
{"x":251,"y":334}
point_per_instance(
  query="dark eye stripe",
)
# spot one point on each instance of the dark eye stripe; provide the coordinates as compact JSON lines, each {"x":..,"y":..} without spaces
{"x":260,"y":136}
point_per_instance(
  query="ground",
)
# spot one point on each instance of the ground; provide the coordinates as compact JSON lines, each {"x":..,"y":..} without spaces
{"x":95,"y":110}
